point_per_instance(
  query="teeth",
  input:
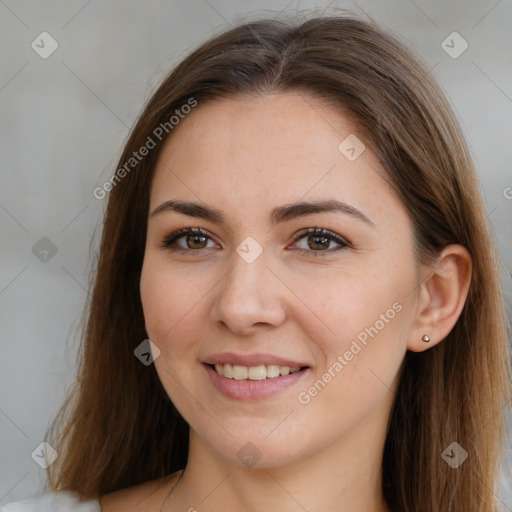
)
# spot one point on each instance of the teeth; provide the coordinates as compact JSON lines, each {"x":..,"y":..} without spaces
{"x":285,"y":370}
{"x":259,"y":372}
{"x":273,"y":371}
{"x":256,"y":372}
{"x":240,"y":372}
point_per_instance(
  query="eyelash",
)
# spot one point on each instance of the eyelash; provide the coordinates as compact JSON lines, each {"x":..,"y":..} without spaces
{"x":173,"y":237}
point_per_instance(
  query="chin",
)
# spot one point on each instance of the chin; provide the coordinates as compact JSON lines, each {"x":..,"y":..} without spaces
{"x":257,"y":452}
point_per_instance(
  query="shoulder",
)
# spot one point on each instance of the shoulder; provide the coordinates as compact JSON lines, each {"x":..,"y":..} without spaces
{"x":139,"y":498}
{"x":61,"y":501}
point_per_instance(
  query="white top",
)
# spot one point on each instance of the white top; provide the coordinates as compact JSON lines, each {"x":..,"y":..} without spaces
{"x":61,"y":501}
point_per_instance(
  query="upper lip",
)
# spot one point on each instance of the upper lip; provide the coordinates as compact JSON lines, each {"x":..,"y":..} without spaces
{"x":252,"y":360}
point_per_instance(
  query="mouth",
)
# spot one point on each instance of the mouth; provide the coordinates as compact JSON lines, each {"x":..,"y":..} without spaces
{"x":253,"y":383}
{"x":259,"y":372}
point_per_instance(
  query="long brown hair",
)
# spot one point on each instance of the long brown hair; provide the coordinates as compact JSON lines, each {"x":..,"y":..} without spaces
{"x":119,"y":428}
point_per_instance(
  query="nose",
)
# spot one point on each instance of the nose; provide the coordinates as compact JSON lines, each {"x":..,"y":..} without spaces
{"x":249,"y":297}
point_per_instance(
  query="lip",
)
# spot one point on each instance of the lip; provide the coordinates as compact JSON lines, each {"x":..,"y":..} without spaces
{"x":252,"y":360}
{"x":252,"y":390}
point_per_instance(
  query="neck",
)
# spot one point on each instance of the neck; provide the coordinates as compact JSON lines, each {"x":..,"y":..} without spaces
{"x":342,"y":477}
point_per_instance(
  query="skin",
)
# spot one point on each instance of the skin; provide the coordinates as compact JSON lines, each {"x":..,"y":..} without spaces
{"x":244,"y":157}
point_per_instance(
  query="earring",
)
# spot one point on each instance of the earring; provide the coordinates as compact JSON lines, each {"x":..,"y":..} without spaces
{"x":425,"y":338}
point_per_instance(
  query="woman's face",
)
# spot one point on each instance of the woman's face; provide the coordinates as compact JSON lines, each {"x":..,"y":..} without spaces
{"x":258,"y":286}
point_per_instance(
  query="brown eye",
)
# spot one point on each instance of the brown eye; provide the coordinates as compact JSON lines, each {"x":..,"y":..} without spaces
{"x":195,"y":240}
{"x":319,"y":240}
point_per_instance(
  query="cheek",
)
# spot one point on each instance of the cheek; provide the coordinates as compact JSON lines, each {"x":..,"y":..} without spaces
{"x":358,"y":324}
{"x":168,"y":299}
{"x":342,"y":305}
{"x":155,"y":301}
{"x":363,"y":355}
{"x":169,"y":308}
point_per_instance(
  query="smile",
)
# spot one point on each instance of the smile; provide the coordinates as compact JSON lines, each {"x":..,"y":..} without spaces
{"x":260,"y":372}
{"x":251,"y":383}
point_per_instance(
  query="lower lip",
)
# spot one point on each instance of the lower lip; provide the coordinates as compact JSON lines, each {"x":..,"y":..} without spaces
{"x":253,"y":389}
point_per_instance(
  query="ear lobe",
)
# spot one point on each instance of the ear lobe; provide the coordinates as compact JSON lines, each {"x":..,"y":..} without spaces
{"x":442,"y":297}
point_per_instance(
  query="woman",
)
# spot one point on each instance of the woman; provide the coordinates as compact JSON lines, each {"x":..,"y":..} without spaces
{"x":296,"y":225}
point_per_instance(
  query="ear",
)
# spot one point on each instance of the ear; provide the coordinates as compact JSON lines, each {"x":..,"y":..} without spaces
{"x":441,"y":297}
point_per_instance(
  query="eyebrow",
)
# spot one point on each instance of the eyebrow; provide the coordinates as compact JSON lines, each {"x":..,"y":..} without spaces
{"x":277,"y":215}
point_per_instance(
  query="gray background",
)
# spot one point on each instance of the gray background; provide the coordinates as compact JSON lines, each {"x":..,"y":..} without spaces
{"x":65,"y":118}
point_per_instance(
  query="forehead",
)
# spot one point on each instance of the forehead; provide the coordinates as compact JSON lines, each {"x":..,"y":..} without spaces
{"x":261,"y":151}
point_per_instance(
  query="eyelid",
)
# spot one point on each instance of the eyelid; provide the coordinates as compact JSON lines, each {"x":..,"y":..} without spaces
{"x":322,"y":231}
{"x":180,"y":233}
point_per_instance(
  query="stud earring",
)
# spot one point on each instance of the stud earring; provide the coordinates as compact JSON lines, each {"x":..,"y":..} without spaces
{"x":425,"y":338}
